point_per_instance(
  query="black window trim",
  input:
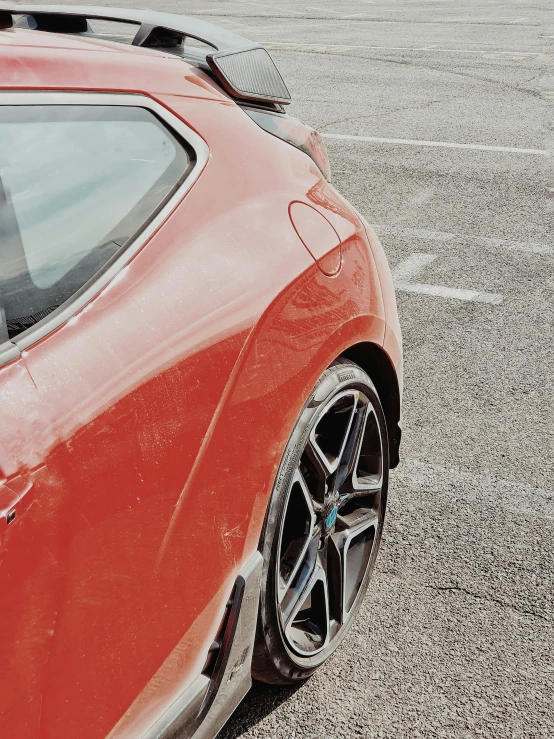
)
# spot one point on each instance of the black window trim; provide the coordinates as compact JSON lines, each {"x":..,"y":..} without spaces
{"x":10,"y":350}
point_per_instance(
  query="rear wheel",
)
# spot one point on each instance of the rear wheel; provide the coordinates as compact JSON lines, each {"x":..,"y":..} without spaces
{"x":323,"y":526}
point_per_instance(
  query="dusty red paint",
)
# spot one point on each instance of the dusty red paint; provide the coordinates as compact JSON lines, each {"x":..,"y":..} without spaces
{"x":139,"y":441}
{"x":318,"y":236}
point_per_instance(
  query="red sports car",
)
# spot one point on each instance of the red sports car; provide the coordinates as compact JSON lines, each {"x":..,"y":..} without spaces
{"x":200,"y":380}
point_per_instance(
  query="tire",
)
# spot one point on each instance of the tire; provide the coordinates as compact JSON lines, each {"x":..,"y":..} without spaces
{"x":323,"y":526}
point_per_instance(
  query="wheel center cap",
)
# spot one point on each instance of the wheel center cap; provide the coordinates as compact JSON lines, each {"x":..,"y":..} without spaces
{"x":331,"y":519}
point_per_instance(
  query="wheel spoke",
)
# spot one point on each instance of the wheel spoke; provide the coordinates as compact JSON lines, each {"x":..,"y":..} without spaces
{"x":307,"y":622}
{"x":296,"y":534}
{"x":361,"y":473}
{"x":315,"y":472}
{"x":370,"y":490}
{"x":368,"y":468}
{"x":329,"y":435}
{"x":351,"y":450}
{"x":353,"y":543}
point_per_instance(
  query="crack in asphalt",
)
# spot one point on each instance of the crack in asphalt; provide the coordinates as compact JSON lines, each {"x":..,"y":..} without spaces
{"x":412,"y":63}
{"x":489,"y":599}
{"x":459,"y":589}
{"x":384,"y":113}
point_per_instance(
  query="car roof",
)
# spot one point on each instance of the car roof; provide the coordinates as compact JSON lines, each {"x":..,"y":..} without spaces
{"x":37,"y":60}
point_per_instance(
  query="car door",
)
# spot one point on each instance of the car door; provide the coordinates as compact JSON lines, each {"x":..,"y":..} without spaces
{"x":27,"y":590}
{"x":118,"y":402}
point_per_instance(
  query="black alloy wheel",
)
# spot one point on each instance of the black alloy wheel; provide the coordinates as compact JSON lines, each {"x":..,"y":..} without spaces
{"x":323,"y":526}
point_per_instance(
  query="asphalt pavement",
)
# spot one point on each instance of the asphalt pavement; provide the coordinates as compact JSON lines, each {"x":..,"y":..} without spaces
{"x":456,"y":636}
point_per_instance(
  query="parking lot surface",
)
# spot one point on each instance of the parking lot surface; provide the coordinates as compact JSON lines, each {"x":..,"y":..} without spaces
{"x":456,"y":636}
{"x":438,"y":126}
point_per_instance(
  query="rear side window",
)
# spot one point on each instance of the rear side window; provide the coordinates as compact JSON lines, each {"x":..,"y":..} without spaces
{"x":76,"y":184}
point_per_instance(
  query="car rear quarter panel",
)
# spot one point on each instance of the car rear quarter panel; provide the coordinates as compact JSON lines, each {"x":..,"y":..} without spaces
{"x":306,"y":321}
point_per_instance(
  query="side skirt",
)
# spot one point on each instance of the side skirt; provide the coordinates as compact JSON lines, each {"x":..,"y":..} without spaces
{"x":202,"y":709}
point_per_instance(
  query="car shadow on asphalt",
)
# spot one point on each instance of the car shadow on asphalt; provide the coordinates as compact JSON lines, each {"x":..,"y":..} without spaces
{"x":259,"y":702}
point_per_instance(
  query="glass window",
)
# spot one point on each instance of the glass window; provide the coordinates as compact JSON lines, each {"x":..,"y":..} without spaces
{"x":76,"y":183}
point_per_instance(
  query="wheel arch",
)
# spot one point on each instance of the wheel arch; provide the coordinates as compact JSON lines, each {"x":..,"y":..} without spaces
{"x":375,"y":361}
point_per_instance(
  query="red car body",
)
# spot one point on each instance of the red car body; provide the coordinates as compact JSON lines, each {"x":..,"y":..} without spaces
{"x":140,"y":438}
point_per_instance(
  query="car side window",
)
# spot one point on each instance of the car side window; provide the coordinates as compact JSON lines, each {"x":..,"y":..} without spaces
{"x":77,"y":182}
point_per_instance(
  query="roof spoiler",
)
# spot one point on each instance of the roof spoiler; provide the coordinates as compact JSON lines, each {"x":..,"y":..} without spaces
{"x":244,"y":69}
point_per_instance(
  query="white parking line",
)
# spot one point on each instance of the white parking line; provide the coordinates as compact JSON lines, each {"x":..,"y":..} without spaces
{"x":440,"y":144}
{"x":438,"y":291}
{"x":415,"y":263}
{"x":529,"y":247}
{"x":464,"y":485}
{"x":412,"y":266}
